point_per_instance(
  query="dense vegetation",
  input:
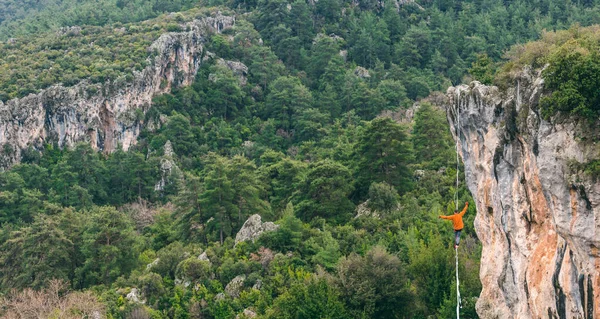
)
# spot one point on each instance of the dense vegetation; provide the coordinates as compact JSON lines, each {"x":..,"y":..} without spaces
{"x":60,"y":222}
{"x":299,"y":141}
{"x":571,"y":62}
{"x":20,"y":18}
{"x":96,"y":53}
{"x":426,"y":46}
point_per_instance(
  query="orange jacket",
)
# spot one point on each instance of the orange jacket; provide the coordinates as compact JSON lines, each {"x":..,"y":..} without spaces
{"x":456,"y":219}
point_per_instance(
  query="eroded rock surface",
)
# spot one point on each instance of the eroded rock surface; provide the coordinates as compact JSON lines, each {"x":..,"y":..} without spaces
{"x":107,"y":115}
{"x":252,"y":229}
{"x":239,"y":69}
{"x":204,"y":257}
{"x":234,"y":287}
{"x":134,"y":296}
{"x":168,"y":167}
{"x":538,"y":220}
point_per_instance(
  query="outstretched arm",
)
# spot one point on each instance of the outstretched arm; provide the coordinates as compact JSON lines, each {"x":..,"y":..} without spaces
{"x":464,"y":209}
{"x":445,"y":217}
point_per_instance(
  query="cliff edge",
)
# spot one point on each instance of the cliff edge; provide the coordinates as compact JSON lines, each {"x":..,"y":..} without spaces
{"x":537,"y":217}
{"x":107,"y":115}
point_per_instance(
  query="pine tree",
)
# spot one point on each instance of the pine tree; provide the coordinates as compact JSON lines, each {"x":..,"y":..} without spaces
{"x":110,"y":246}
{"x":35,"y":254}
{"x":383,"y":154}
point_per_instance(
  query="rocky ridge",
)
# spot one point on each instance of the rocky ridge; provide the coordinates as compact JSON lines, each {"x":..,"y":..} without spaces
{"x":108,"y":115}
{"x":537,"y":218}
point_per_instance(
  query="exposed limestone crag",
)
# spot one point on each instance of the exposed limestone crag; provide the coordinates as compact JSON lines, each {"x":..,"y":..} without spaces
{"x":168,"y":168}
{"x":235,"y":286}
{"x":239,"y":69}
{"x":538,"y":220}
{"x":252,"y":229}
{"x":106,"y":115}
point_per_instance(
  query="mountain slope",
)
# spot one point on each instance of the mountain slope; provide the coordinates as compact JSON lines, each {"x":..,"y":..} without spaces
{"x":298,"y":113}
{"x":25,"y":18}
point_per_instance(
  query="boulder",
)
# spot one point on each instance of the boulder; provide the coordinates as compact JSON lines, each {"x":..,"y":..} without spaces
{"x":239,"y":69}
{"x":246,"y":314}
{"x":362,"y":72}
{"x":257,"y":285}
{"x":234,"y":287}
{"x":134,"y":296}
{"x":252,"y":229}
{"x":220,"y":296}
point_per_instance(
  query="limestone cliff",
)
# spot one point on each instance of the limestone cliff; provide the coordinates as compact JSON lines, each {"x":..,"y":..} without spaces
{"x":538,"y":220}
{"x":106,"y":115}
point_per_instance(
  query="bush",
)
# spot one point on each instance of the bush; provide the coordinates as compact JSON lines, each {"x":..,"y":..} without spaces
{"x":193,"y":269}
{"x":573,"y":77}
{"x":375,"y":285}
{"x":383,"y":197}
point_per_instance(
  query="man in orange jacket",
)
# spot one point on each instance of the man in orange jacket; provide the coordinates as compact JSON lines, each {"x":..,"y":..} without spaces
{"x":457,"y":222}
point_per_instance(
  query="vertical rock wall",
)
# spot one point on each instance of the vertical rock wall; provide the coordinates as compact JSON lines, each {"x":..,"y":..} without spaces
{"x":538,"y":220}
{"x":107,"y":115}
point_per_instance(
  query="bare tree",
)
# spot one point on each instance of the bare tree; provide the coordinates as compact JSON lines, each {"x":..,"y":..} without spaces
{"x":55,"y":301}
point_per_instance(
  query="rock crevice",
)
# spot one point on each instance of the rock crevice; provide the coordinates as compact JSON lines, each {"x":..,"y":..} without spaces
{"x":537,"y":218}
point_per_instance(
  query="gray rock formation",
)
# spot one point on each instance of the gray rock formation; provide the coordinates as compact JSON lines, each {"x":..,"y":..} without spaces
{"x":257,"y":285}
{"x":363,"y":210}
{"x":246,"y":314}
{"x":234,"y":287}
{"x":361,"y":72}
{"x":152,"y":264}
{"x":184,"y":283}
{"x":167,"y":167}
{"x":252,"y":229}
{"x":239,"y":69}
{"x":107,"y":115}
{"x":400,"y":3}
{"x":419,"y":173}
{"x":134,"y":296}
{"x":538,"y":220}
{"x":219,"y":296}
{"x":204,"y":257}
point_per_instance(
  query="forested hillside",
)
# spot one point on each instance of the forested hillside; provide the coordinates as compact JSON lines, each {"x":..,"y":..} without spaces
{"x":321,"y":135}
{"x":20,"y":18}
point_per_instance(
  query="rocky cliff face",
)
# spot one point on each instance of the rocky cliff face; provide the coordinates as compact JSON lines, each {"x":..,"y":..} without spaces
{"x":107,"y":115}
{"x":538,"y":220}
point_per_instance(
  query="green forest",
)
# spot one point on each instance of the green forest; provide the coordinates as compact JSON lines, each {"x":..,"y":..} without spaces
{"x":306,"y":140}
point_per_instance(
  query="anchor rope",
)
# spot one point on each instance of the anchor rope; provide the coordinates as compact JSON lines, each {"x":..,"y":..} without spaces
{"x":457,"y":116}
{"x":458,"y":304}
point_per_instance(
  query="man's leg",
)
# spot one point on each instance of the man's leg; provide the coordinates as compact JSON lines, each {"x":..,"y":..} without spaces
{"x":457,"y":237}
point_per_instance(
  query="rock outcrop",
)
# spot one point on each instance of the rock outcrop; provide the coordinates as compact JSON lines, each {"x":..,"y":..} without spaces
{"x":234,"y":287}
{"x":363,"y":210}
{"x":204,"y":257}
{"x":239,"y":69}
{"x":107,"y":115}
{"x":252,"y":229}
{"x":168,"y":167}
{"x":152,"y":264}
{"x":538,"y":220}
{"x":134,"y":296}
{"x":246,"y":314}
